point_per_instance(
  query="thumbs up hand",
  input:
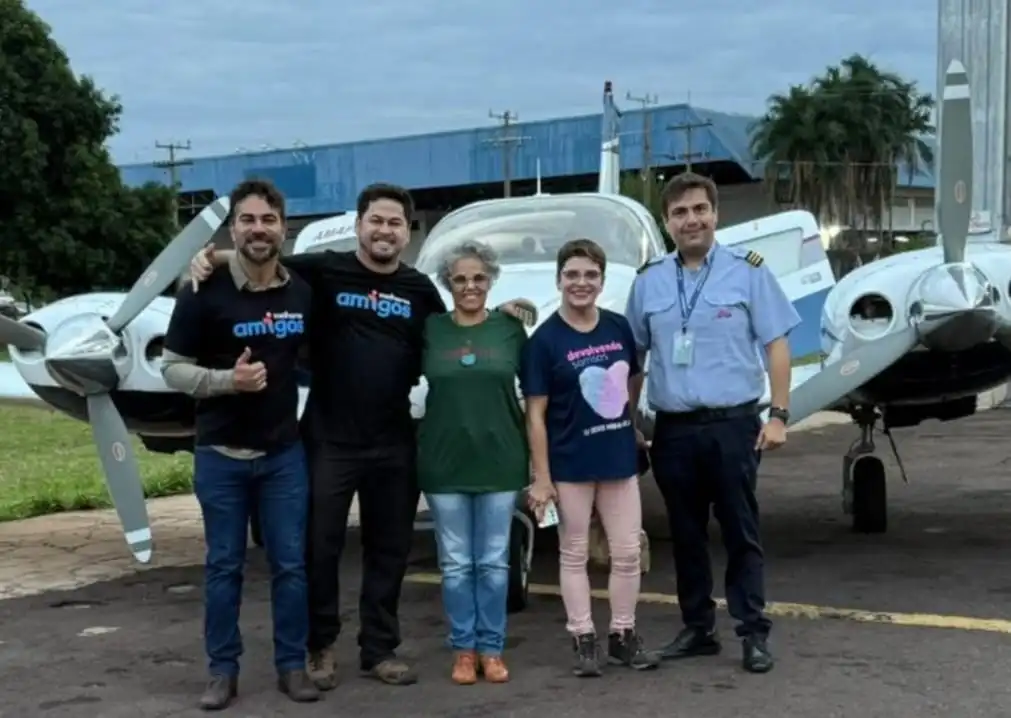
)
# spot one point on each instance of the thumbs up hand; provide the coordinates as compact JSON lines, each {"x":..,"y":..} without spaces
{"x":249,"y":377}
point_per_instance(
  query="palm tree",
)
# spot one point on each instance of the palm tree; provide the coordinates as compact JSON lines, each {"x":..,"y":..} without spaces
{"x":832,"y":147}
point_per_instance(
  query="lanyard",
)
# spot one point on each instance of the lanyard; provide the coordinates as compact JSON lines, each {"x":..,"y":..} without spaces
{"x":688,"y":306}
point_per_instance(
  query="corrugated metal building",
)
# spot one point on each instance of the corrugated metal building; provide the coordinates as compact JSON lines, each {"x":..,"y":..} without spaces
{"x":448,"y":169}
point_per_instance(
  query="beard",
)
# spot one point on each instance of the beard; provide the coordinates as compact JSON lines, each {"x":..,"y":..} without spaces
{"x":259,"y":256}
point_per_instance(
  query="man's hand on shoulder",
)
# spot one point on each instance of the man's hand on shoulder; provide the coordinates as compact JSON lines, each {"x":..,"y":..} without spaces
{"x":204,"y":263}
{"x":522,"y":309}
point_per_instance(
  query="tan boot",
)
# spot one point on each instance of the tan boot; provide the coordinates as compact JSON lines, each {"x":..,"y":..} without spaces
{"x":323,"y":668}
{"x":465,"y":668}
{"x":494,"y":669}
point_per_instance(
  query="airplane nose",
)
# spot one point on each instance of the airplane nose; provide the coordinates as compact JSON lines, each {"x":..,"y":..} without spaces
{"x":954,"y":288}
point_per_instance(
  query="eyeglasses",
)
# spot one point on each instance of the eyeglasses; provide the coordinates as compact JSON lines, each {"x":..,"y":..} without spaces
{"x":461,"y":280}
{"x":574,"y":275}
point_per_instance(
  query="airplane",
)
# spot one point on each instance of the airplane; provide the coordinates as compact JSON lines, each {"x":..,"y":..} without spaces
{"x":918,"y":335}
{"x":97,"y":357}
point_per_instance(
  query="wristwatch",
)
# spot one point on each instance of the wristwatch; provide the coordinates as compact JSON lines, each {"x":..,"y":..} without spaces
{"x":778,"y":412}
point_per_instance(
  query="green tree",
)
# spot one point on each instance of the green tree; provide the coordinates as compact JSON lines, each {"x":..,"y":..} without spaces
{"x":67,"y":222}
{"x":832,"y":147}
{"x":645,"y":189}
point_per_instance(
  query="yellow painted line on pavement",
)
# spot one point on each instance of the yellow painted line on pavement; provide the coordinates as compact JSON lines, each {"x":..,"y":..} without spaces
{"x":794,"y":610}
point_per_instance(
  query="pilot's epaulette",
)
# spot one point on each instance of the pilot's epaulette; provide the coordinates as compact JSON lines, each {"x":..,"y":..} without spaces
{"x":650,"y":263}
{"x":751,"y":257}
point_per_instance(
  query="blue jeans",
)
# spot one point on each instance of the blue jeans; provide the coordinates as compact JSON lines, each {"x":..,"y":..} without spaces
{"x":472,"y":533}
{"x":226,"y":489}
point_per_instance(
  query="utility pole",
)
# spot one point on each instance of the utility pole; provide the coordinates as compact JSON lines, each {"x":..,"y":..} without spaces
{"x":506,"y":142}
{"x":172,"y":164}
{"x":688,"y":128}
{"x":647,"y":144}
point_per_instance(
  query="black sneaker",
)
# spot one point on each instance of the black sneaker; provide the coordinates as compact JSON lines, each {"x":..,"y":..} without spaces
{"x":587,"y":660}
{"x":626,"y":649}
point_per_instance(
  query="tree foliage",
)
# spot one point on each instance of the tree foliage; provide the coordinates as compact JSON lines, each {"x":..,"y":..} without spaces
{"x":645,"y":188}
{"x":832,"y":147}
{"x":68,"y":224}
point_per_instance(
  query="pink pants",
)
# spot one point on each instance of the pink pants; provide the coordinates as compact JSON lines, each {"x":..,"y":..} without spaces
{"x":620,"y":511}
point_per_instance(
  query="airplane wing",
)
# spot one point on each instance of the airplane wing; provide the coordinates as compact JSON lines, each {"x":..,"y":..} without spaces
{"x":14,"y":388}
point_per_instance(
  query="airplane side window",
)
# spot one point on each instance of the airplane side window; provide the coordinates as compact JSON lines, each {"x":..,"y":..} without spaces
{"x":782,"y":251}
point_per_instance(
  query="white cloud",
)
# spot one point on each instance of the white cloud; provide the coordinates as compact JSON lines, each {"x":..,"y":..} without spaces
{"x":230,"y":73}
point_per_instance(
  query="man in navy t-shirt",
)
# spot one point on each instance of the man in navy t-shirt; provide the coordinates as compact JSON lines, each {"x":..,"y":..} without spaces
{"x":575,"y":375}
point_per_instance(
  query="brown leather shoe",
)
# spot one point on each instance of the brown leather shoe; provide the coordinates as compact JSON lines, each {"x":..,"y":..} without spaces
{"x":465,"y":668}
{"x":298,"y":686}
{"x":219,"y":694}
{"x":494,"y":670}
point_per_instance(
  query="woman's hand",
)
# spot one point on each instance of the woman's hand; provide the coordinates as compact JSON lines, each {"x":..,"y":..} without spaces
{"x":541,"y":492}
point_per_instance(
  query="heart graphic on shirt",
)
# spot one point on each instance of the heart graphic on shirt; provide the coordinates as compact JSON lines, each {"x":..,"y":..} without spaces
{"x":606,"y":391}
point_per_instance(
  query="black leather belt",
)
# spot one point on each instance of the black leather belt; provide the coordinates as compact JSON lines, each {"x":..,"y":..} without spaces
{"x":706,"y":416}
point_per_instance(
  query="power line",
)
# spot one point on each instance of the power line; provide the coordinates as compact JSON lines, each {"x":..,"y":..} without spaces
{"x":506,"y":141}
{"x":172,"y":164}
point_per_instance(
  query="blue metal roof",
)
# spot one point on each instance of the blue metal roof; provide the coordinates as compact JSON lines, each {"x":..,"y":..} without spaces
{"x":327,"y":178}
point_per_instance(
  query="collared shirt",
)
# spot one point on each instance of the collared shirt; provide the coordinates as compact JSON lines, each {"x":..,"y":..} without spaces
{"x":740,"y":310}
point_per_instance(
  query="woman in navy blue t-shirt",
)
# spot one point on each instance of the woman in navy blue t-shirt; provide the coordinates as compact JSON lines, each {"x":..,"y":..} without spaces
{"x":575,"y":376}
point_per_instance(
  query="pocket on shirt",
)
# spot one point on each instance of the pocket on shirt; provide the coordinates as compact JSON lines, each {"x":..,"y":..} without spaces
{"x":663,"y":316}
{"x":725,"y":307}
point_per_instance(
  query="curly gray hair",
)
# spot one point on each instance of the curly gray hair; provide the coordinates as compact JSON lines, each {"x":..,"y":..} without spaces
{"x":468,"y":249}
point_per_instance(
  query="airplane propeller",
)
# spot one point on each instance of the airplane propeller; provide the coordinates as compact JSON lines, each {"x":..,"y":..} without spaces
{"x":85,"y":365}
{"x":856,"y":368}
{"x":20,"y":335}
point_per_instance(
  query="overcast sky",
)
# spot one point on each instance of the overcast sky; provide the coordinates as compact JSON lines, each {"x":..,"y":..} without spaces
{"x":230,"y":74}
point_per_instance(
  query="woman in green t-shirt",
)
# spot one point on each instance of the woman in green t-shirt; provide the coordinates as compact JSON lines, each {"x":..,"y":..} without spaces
{"x":472,"y":457}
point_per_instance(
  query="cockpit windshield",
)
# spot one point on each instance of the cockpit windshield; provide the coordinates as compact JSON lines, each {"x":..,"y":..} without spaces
{"x":533,"y":229}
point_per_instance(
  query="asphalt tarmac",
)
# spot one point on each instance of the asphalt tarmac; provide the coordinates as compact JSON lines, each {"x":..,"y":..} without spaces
{"x":914,"y":622}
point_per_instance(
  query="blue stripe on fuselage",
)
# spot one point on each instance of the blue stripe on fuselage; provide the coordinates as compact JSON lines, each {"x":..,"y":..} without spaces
{"x":806,"y":338}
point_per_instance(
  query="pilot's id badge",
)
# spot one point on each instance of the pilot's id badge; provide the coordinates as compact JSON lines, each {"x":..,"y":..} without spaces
{"x":684,"y":348}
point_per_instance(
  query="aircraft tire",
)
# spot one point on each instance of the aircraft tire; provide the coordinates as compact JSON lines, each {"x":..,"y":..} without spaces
{"x":519,"y":571}
{"x":870,"y":496}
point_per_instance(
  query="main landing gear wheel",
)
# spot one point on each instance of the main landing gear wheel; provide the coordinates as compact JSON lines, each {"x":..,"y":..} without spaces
{"x":521,"y":555}
{"x":869,"y":496}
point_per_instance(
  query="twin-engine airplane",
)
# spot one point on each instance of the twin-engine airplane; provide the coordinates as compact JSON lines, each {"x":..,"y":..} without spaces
{"x":97,"y":357}
{"x":918,"y":335}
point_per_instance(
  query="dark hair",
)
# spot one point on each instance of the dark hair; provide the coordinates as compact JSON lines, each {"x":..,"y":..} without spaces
{"x":582,"y":248}
{"x":680,"y":184}
{"x":381,"y":190}
{"x":262,"y":188}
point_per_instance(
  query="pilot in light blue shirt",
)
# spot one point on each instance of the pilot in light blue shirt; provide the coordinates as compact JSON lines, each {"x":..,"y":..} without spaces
{"x":706,"y":329}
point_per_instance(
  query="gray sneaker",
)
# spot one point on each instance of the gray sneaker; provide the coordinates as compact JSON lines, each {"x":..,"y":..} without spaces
{"x":626,"y":649}
{"x":586,"y":656}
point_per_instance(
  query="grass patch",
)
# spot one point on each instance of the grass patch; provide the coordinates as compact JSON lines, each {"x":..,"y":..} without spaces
{"x":4,"y":356}
{"x":48,"y":464}
{"x":807,"y":359}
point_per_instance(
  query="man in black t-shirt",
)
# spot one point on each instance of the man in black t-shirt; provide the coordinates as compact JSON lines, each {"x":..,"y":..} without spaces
{"x":234,"y":347}
{"x":364,"y":357}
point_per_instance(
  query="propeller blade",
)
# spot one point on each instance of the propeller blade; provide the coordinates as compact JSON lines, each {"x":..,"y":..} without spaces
{"x":172,"y":261}
{"x":851,"y":372}
{"x":954,"y":186}
{"x":122,"y":474}
{"x":20,"y":335}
